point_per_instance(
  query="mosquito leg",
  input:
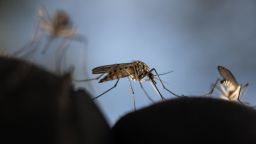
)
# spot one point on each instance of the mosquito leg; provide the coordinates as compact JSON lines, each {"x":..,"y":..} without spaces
{"x":145,"y":92}
{"x":243,"y":89}
{"x":63,"y":47}
{"x":28,"y":47}
{"x":157,"y":90}
{"x":224,"y":93}
{"x":213,"y":86}
{"x":37,"y":35}
{"x":47,"y":45}
{"x":241,"y":93}
{"x":106,"y":90}
{"x":31,"y":51}
{"x":239,"y":101}
{"x":133,"y":96}
{"x":153,"y":69}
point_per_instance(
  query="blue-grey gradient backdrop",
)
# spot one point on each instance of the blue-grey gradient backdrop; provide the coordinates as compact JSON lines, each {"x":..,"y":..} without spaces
{"x":190,"y":37}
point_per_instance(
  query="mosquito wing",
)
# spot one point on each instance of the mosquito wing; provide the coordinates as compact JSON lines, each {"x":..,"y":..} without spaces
{"x":108,"y":68}
{"x":227,"y":75}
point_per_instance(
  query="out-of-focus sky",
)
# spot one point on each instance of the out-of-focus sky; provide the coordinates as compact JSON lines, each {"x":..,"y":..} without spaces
{"x":190,"y":37}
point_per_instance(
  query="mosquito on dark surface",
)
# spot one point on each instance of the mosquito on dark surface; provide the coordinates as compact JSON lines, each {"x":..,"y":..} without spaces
{"x":51,"y":28}
{"x":136,"y":70}
{"x":229,"y":88}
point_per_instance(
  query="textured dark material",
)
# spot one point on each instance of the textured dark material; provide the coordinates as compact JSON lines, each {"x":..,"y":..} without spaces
{"x":37,"y":107}
{"x":188,"y":120}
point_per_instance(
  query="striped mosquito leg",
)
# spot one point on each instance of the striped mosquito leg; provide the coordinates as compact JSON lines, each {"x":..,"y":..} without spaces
{"x":153,"y":69}
{"x":106,"y":90}
{"x":133,"y":96}
{"x":145,"y":92}
{"x":157,"y":90}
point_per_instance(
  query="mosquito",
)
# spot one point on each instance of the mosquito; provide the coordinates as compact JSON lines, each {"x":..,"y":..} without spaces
{"x":60,"y":26}
{"x":136,"y":70}
{"x":229,"y":88}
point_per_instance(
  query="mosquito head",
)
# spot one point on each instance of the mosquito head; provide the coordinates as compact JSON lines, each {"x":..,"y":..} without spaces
{"x":151,"y":77}
{"x":142,"y":69}
{"x":61,"y":19}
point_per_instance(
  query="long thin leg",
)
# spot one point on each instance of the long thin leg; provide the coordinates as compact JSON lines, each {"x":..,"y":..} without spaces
{"x":25,"y":49}
{"x":63,"y":47}
{"x":153,"y":69}
{"x":145,"y":92}
{"x":106,"y":90}
{"x":157,"y":90}
{"x":243,"y":89}
{"x":37,"y":35}
{"x":31,"y":50}
{"x":213,"y":86}
{"x":133,"y":96}
{"x":47,"y":45}
{"x":241,"y":93}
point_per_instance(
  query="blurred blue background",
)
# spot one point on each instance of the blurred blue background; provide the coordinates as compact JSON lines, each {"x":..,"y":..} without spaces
{"x":190,"y":37}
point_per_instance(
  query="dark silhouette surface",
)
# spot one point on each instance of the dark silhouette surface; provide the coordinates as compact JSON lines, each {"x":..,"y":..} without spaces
{"x":189,"y":120}
{"x":39,"y":107}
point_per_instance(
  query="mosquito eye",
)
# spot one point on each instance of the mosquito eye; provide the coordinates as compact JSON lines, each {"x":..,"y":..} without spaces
{"x":222,"y":81}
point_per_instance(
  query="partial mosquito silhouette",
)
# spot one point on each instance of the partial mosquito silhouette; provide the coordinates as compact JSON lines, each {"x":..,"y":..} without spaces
{"x":60,"y":26}
{"x":229,"y":88}
{"x":136,"y":70}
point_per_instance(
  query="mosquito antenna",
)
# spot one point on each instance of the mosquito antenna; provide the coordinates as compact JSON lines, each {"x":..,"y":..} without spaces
{"x":164,"y":73}
{"x":153,"y":69}
{"x":156,"y":79}
{"x":155,"y":76}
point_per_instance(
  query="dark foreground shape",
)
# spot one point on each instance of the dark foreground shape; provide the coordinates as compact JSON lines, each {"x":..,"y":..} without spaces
{"x":188,"y":120}
{"x":42,"y":108}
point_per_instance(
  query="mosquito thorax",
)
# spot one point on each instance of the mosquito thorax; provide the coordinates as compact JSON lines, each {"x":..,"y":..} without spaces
{"x":141,"y":68}
{"x":61,"y":20}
